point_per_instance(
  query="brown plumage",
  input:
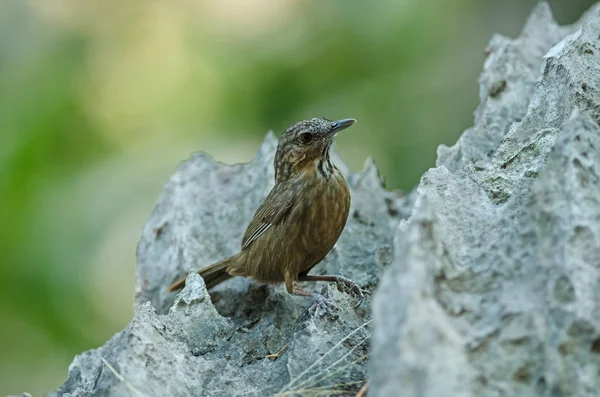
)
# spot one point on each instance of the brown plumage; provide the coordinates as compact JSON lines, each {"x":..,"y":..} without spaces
{"x":299,"y":221}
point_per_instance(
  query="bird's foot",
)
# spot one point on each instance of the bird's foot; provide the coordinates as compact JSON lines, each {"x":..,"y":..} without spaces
{"x":322,"y":306}
{"x":353,"y":287}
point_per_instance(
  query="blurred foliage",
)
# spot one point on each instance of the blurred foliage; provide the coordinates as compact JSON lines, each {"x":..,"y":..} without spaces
{"x":100,"y":100}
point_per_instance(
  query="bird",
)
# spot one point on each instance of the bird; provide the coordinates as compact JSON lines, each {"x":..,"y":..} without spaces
{"x":299,"y":221}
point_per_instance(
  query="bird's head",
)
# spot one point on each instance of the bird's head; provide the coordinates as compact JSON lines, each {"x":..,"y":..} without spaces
{"x":304,"y":147}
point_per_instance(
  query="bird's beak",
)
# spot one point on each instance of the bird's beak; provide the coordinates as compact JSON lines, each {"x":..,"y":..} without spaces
{"x":337,"y":126}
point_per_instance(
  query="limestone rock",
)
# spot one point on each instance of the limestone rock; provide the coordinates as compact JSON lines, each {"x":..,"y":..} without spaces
{"x":496,"y":290}
{"x":490,"y":267}
{"x":183,"y":345}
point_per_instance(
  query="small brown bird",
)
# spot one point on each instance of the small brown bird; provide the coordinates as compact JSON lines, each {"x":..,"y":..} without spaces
{"x":299,"y":221}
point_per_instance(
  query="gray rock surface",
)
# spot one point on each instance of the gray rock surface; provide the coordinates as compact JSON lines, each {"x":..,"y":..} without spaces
{"x":183,"y":345}
{"x":494,"y":288}
{"x":492,"y":265}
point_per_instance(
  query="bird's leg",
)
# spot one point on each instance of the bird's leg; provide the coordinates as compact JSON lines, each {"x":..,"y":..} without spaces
{"x":354,"y":287}
{"x":320,"y":304}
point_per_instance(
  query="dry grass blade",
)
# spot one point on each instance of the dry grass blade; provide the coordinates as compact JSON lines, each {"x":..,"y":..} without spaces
{"x":279,"y":353}
{"x":342,"y":368}
{"x":317,"y":381}
{"x":363,"y":390}
{"x":120,"y":377}
{"x":293,"y":381}
{"x":321,"y":390}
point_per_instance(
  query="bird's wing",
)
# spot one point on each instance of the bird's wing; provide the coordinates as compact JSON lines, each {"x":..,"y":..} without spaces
{"x":271,"y":212}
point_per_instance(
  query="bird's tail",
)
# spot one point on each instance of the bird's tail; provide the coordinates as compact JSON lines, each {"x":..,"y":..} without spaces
{"x":213,"y":274}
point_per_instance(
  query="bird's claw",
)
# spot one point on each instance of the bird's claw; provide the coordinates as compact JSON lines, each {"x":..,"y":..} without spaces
{"x":322,"y":306}
{"x":353,"y":287}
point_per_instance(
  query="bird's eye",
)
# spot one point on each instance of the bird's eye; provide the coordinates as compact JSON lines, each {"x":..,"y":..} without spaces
{"x":305,"y":137}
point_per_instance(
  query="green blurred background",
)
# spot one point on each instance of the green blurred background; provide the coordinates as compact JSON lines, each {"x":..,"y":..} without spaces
{"x":101,"y":99}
